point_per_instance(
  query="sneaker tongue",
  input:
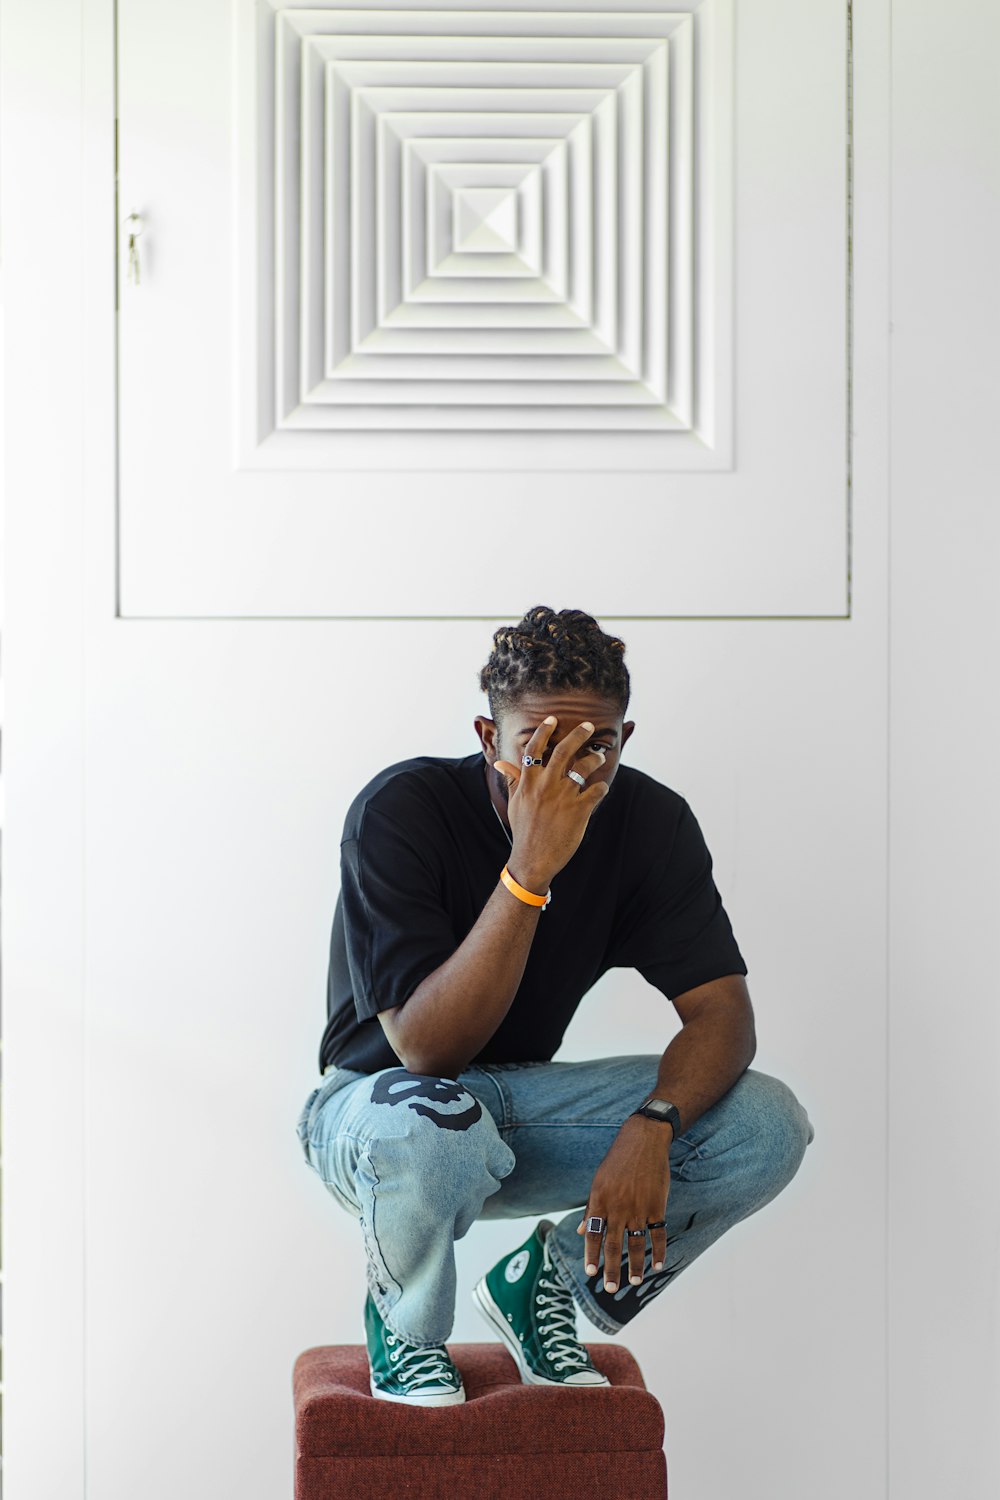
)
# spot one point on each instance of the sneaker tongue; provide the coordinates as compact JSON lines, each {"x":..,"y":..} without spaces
{"x":550,"y":1266}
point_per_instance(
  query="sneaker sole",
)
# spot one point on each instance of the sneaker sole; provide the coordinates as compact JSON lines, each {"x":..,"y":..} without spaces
{"x":442,"y":1398}
{"x":483,"y":1299}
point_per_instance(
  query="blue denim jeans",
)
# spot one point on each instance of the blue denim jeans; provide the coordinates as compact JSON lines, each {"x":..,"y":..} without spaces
{"x":419,"y":1159}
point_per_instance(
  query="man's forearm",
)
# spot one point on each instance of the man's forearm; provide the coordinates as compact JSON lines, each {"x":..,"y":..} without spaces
{"x":703,"y":1061}
{"x":452,"y":1014}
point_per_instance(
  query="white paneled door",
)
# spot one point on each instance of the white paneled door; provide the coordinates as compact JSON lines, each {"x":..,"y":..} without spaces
{"x":564,"y":287}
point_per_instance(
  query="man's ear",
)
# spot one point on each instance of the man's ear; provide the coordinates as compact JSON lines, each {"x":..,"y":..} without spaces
{"x":487,"y":732}
{"x":626,"y":734}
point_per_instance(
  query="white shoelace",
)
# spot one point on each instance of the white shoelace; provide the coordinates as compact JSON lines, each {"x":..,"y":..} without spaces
{"x":557,"y":1322}
{"x":422,"y":1365}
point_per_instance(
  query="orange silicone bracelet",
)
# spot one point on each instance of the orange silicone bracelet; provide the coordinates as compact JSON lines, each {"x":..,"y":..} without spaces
{"x":518,"y":890}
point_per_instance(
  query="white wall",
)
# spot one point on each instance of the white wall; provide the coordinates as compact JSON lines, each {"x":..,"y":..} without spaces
{"x":944,"y":1247}
{"x":175,"y":798}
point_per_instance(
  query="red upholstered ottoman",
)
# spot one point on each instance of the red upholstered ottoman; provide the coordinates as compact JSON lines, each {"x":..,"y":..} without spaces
{"x":506,"y":1439}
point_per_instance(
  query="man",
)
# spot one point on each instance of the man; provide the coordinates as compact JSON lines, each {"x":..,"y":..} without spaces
{"x":481,"y":898}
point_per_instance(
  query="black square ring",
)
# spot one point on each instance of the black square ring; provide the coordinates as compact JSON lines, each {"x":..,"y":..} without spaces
{"x":595,"y":1224}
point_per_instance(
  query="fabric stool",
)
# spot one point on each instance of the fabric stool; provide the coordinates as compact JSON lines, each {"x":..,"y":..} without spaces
{"x":506,"y":1439}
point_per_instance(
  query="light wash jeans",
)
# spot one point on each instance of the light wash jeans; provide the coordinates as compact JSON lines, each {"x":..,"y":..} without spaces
{"x":418,"y":1159}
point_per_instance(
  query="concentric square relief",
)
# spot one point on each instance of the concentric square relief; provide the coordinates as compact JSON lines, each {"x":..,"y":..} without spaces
{"x":487,"y":219}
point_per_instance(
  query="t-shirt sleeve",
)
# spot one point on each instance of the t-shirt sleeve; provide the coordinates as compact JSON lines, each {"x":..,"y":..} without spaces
{"x":396,"y":927}
{"x":677,"y":933}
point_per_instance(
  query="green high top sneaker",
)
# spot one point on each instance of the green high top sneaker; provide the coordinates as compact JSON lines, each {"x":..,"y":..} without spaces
{"x":526,"y":1303}
{"x":406,"y":1372}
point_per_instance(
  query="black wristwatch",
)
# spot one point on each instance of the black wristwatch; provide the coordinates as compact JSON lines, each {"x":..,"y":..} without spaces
{"x":660,"y":1109}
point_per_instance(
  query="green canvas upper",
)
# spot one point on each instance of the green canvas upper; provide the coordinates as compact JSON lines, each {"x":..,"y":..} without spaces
{"x":405,"y":1370}
{"x":535,"y":1314}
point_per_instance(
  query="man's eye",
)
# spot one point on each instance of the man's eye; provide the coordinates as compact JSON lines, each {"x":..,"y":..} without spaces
{"x":593,"y":745}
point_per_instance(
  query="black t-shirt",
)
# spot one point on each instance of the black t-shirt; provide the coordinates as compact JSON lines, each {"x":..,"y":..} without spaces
{"x":421,"y":855}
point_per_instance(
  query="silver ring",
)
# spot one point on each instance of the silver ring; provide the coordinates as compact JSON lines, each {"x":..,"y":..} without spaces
{"x":575,"y":776}
{"x":595,"y":1224}
{"x":636,"y":1231}
{"x":531,"y":760}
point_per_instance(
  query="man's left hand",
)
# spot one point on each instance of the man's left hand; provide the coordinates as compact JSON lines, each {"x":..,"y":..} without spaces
{"x":630,"y":1190}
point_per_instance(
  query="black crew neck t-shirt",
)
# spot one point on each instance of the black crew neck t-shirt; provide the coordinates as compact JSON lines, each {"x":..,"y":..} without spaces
{"x":421,"y":855}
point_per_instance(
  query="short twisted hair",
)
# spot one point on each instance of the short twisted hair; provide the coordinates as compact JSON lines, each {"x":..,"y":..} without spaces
{"x":547,"y":650}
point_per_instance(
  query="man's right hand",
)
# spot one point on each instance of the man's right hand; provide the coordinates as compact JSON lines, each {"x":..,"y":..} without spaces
{"x":547,"y":810}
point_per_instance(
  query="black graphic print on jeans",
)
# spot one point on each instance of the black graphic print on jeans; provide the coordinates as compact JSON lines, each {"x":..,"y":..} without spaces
{"x":428,"y":1096}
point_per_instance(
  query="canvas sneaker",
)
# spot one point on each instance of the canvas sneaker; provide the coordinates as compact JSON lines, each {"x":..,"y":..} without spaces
{"x":526,"y":1303}
{"x":418,"y":1376}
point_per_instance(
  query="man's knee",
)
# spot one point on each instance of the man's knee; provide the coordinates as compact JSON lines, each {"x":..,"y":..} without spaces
{"x":781,"y":1124}
{"x":432,"y":1137}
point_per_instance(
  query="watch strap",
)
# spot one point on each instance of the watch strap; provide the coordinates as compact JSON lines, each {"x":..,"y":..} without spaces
{"x":669,"y":1112}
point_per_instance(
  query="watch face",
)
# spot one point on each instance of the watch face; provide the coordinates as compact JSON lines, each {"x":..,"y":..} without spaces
{"x":657,"y":1107}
